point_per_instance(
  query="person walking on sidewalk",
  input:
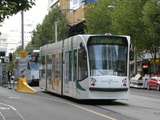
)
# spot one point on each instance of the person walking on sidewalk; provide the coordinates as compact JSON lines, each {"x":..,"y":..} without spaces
{"x":9,"y":74}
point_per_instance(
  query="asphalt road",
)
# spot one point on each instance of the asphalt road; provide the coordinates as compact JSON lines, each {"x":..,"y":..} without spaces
{"x":142,"y":105}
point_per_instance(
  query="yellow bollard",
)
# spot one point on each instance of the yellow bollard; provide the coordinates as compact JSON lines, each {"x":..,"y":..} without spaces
{"x":22,"y":86}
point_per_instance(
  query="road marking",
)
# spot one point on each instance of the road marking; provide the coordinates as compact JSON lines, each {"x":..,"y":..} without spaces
{"x":13,"y":108}
{"x":2,"y":116}
{"x":13,"y":97}
{"x":4,"y":108}
{"x":94,"y":112}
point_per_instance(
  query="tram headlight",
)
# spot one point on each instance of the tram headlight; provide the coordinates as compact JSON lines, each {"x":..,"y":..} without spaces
{"x":93,"y":81}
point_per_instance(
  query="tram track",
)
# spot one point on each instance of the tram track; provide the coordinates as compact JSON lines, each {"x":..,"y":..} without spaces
{"x":100,"y":109}
{"x":95,"y":107}
{"x":2,"y":116}
{"x":8,"y":112}
{"x":117,"y":115}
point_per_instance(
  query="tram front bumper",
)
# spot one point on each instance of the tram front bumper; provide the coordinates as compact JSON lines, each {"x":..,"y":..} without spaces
{"x":108,"y":93}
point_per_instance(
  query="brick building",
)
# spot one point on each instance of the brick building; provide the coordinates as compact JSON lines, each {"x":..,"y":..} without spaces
{"x":75,"y":11}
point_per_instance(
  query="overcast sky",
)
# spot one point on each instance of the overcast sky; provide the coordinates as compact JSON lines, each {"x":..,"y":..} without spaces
{"x":12,"y":26}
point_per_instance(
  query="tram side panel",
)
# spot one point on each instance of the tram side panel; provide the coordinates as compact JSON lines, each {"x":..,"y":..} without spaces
{"x":54,"y":76}
{"x":82,"y":82}
{"x":51,"y":72}
{"x":56,"y":79}
{"x":68,"y":87}
{"x":76,"y":73}
{"x":75,"y":84}
{"x":42,"y":72}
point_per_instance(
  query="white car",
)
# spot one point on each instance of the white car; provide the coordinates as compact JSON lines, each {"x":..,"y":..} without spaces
{"x":137,"y":81}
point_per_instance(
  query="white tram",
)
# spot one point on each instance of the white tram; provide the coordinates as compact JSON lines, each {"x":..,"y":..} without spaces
{"x":87,"y":67}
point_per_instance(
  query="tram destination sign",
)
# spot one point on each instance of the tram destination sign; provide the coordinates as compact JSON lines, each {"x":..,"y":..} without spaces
{"x":111,"y":40}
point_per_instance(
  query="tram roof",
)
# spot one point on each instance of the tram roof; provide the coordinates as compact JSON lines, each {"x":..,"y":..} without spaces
{"x":85,"y":36}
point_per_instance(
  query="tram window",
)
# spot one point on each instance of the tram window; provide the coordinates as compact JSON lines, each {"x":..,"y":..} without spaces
{"x":60,"y":66}
{"x":82,"y":64}
{"x":42,"y":60}
{"x":57,"y":67}
{"x":75,"y":65}
{"x":68,"y":64}
{"x":53,"y":66}
{"x":42,"y":71}
{"x":49,"y":67}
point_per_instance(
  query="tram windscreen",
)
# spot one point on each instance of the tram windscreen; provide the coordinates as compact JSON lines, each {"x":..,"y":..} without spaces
{"x":107,"y":55}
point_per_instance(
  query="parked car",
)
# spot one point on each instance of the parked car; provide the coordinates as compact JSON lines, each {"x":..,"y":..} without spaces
{"x":136,"y":81}
{"x":154,"y":83}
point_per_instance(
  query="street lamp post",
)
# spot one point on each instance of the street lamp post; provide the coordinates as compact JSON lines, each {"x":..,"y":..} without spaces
{"x":56,"y":31}
{"x":22,"y":29}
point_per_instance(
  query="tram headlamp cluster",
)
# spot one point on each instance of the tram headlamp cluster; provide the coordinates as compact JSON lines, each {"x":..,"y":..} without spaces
{"x":93,"y":81}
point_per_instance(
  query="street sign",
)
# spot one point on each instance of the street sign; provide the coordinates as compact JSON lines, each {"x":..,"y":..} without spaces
{"x":23,"y":54}
{"x":22,"y":64}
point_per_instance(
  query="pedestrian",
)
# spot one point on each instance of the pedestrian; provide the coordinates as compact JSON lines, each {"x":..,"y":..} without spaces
{"x":13,"y":80}
{"x":9,"y":79}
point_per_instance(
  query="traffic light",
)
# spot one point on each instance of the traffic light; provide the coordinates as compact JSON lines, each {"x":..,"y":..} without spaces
{"x":145,"y":66}
{"x":10,"y":57}
{"x":131,"y":55}
{"x":2,"y":53}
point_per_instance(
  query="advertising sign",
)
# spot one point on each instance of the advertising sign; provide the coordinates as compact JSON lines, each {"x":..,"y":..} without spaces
{"x":22,"y":64}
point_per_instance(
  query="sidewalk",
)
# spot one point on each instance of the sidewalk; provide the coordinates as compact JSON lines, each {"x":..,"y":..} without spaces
{"x":5,"y":90}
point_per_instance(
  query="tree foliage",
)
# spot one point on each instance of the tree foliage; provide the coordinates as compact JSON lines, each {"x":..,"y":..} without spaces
{"x":98,"y":18}
{"x":138,"y":18}
{"x":127,"y":19}
{"x":10,"y":7}
{"x":45,"y":33}
{"x":151,"y":19}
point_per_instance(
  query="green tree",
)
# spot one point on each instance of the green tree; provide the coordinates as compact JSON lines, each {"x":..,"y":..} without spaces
{"x":127,"y":19}
{"x":118,"y":17}
{"x":98,"y":18}
{"x":151,"y":19}
{"x":10,"y":7}
{"x":45,"y":33}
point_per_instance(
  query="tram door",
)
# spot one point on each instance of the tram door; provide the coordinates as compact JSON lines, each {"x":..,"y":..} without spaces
{"x":48,"y":71}
{"x":70,"y":72}
{"x":56,"y":73}
{"x":42,"y":83}
{"x":75,"y":71}
{"x":67,"y":72}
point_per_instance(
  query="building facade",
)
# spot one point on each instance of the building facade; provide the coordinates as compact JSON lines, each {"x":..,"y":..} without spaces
{"x":74,"y":10}
{"x":3,"y":45}
{"x":52,"y":3}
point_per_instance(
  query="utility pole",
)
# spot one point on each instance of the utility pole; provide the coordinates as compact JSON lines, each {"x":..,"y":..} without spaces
{"x":135,"y":60}
{"x":56,"y":30}
{"x":22,"y":29}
